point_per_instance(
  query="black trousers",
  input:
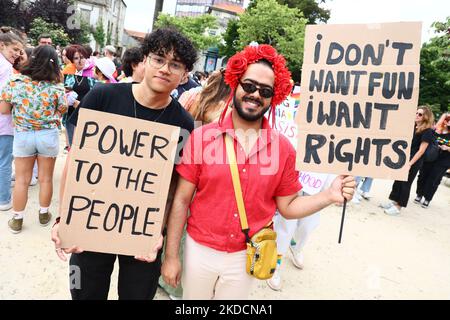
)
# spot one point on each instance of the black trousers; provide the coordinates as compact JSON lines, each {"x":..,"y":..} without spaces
{"x":430,"y":178}
{"x":91,"y":275}
{"x":402,"y":189}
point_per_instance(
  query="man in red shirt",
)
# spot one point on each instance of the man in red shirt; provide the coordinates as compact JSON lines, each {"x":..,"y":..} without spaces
{"x":215,"y":251}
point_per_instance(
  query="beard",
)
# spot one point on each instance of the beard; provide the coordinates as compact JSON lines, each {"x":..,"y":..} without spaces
{"x":250,"y":116}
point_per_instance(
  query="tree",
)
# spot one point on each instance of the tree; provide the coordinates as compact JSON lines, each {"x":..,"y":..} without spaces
{"x":22,"y":13}
{"x":99,"y":34}
{"x":39,"y":26}
{"x":54,"y":11}
{"x":14,"y":13}
{"x":310,"y":8}
{"x":109,"y":37}
{"x":117,"y":36}
{"x":231,"y":39}
{"x":9,"y":13}
{"x":284,"y":28}
{"x":194,"y":28}
{"x":81,"y":35}
{"x":435,"y":69}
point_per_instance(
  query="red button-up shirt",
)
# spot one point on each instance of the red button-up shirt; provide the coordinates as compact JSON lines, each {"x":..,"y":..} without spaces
{"x":267,"y":172}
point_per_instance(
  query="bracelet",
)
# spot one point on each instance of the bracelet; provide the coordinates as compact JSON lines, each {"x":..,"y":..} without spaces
{"x":58,"y":220}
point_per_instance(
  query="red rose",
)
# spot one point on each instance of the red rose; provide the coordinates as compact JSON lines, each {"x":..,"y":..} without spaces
{"x":282,"y":91}
{"x":286,"y":87}
{"x":267,"y":52}
{"x":232,"y":81}
{"x":252,"y":55}
{"x":235,"y":68}
{"x":283,"y":77}
{"x":237,"y":65}
{"x":279,"y":65}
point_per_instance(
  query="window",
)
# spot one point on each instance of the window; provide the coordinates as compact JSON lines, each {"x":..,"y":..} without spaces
{"x":191,"y":8}
{"x":86,"y":15}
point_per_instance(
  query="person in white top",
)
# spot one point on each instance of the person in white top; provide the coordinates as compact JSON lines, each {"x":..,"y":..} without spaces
{"x":11,"y":47}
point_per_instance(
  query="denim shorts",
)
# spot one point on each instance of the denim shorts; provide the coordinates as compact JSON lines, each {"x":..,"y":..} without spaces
{"x":44,"y":143}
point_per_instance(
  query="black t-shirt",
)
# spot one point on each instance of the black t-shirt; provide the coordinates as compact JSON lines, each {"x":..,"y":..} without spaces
{"x":118,"y":99}
{"x":80,"y":85}
{"x":444,"y":156}
{"x":424,"y":136}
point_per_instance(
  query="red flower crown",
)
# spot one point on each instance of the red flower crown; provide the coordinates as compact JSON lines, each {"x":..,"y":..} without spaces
{"x":238,"y":64}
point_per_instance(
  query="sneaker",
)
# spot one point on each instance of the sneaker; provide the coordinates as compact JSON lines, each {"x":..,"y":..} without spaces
{"x":392,"y":211}
{"x":33,"y":181}
{"x":297,"y":258}
{"x":274,"y":283}
{"x":5,"y":207}
{"x":366,"y":195}
{"x":15,"y":225}
{"x":387,"y":205}
{"x":425,"y":204}
{"x":356,"y":198}
{"x":45,"y":219}
{"x":418,"y":200}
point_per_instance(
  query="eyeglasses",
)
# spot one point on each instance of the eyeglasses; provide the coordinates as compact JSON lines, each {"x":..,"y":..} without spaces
{"x":263,"y":91}
{"x":419,"y":114}
{"x":158,"y":62}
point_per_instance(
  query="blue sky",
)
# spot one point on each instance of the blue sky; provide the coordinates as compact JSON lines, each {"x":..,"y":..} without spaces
{"x":140,"y":12}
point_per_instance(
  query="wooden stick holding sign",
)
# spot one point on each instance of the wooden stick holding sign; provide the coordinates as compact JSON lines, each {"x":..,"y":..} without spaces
{"x":360,"y":88}
{"x":117,"y":184}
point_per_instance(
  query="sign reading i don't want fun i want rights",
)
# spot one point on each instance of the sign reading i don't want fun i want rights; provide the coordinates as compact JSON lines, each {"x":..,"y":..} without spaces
{"x":117,"y":184}
{"x":360,"y":89}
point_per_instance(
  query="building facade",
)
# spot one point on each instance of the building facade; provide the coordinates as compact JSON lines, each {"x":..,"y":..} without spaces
{"x":132,"y":38}
{"x":224,"y":10}
{"x":182,"y":8}
{"x":111,"y":13}
{"x":224,"y":13}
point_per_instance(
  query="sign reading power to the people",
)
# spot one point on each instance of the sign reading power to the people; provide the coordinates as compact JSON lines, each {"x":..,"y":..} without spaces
{"x":117,"y":184}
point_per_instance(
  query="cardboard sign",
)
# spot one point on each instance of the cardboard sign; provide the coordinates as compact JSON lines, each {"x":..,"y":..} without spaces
{"x":117,"y":184}
{"x":313,"y":183}
{"x":360,"y":89}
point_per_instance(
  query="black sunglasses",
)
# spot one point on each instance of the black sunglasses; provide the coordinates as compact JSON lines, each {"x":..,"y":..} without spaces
{"x":251,"y":88}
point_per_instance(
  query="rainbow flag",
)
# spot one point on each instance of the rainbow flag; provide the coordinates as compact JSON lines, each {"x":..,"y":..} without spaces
{"x":295,"y":98}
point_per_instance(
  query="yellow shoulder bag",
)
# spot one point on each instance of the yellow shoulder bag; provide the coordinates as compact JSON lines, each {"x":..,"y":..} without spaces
{"x":262,"y":247}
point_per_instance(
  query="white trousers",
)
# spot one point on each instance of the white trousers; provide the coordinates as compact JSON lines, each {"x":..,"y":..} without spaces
{"x":300,"y":230}
{"x":209,"y":274}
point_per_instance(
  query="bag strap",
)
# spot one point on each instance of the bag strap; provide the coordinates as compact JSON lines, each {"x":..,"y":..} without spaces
{"x":229,"y":144}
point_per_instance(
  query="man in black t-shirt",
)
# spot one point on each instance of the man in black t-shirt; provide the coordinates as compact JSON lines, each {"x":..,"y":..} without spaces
{"x":169,"y":58}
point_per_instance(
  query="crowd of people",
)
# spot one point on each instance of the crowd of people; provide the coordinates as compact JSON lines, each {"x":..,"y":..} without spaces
{"x":42,"y":90}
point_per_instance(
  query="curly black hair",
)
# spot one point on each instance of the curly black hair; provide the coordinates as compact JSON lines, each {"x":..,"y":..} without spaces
{"x":167,"y":40}
{"x":130,"y":58}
